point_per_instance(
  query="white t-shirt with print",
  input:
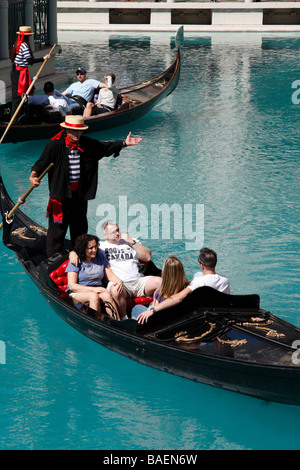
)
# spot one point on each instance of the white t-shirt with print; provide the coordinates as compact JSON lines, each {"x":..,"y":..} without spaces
{"x":217,"y":281}
{"x":122,"y":259}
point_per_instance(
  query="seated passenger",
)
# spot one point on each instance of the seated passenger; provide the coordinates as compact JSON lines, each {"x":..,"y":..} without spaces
{"x":83,"y":90}
{"x":37,"y":100}
{"x":207,"y":260}
{"x":56,"y":99}
{"x":37,"y":109}
{"x":174,"y":281}
{"x":107,"y":98}
{"x":85,"y":280}
{"x":124,"y":255}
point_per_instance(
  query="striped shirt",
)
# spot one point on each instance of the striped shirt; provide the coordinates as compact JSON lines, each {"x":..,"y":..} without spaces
{"x":23,"y":56}
{"x":74,"y":165}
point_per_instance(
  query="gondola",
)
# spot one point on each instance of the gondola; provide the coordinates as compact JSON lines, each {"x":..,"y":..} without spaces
{"x":133,"y":103}
{"x":217,"y":339}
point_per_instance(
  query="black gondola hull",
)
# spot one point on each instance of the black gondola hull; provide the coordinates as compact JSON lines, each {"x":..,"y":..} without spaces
{"x":233,"y":357}
{"x":259,"y":381}
{"x":143,"y":96}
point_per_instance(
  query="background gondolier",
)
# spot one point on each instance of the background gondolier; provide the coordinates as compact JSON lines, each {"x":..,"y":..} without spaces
{"x":73,"y":178}
{"x":21,"y":58}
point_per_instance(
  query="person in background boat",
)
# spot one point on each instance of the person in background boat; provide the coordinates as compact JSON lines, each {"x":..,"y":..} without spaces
{"x":107,"y":98}
{"x":37,"y":100}
{"x":85,"y":280}
{"x":124,"y":255}
{"x":21,"y":57}
{"x":83,"y":90}
{"x":173,"y":281}
{"x":57,"y":100}
{"x":207,"y":260}
{"x":73,"y":179}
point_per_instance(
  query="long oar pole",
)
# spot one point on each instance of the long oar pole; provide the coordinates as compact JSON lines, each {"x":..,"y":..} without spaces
{"x":23,"y":198}
{"x":25,"y":96}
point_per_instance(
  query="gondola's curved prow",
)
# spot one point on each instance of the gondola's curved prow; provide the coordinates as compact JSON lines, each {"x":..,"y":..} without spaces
{"x":155,"y":90}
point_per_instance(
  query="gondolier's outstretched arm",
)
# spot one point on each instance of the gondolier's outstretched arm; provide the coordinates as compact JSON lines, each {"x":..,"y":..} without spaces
{"x":73,"y":181}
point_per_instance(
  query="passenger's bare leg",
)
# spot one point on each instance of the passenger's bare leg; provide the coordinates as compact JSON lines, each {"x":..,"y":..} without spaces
{"x":88,"y":110}
{"x":92,"y":298}
{"x":106,"y":297}
{"x":120,"y":300}
{"x":152,"y":284}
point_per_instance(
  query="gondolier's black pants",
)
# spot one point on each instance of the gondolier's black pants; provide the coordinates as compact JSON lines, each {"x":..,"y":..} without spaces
{"x":74,"y":217}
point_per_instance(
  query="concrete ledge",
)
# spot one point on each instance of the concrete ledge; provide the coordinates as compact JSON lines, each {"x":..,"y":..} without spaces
{"x":195,"y":16}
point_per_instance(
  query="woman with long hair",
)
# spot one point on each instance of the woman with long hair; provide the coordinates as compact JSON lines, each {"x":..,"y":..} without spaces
{"x":21,"y":57}
{"x":174,"y":281}
{"x":85,"y":281}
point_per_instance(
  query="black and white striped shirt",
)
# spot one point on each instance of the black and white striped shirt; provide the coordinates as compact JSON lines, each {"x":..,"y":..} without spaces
{"x":74,"y":165}
{"x":23,"y":56}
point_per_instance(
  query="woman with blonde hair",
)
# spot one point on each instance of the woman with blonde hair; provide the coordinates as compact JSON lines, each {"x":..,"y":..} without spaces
{"x":173,"y":282}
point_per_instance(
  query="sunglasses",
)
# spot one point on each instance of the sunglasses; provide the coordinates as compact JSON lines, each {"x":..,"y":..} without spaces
{"x":80,"y":73}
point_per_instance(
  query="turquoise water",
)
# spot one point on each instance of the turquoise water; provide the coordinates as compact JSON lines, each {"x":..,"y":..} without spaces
{"x":226,"y":142}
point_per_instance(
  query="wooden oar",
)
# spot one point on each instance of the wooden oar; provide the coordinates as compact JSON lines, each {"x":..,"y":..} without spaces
{"x":25,"y":96}
{"x":23,"y":198}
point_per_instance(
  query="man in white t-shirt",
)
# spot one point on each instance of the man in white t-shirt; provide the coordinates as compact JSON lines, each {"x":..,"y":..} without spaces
{"x":56,"y":99}
{"x":207,"y":260}
{"x":124,"y":254}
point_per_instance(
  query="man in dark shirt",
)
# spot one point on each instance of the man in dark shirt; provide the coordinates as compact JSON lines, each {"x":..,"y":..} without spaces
{"x":73,"y":178}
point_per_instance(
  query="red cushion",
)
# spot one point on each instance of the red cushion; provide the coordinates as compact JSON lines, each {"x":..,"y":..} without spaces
{"x":59,"y":276}
{"x":139,"y":301}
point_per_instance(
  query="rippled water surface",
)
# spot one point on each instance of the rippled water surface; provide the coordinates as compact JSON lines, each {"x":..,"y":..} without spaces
{"x":226,"y":142}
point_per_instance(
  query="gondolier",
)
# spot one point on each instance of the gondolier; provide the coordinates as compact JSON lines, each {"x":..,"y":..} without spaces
{"x":21,"y":58}
{"x":73,"y":178}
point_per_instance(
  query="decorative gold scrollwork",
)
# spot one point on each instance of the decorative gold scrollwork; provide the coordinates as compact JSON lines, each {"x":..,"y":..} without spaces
{"x":232,"y":343}
{"x":20,"y":232}
{"x":183,"y":336}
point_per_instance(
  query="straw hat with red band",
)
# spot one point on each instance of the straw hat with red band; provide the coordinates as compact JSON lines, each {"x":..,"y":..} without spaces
{"x":25,"y":30}
{"x":74,"y":122}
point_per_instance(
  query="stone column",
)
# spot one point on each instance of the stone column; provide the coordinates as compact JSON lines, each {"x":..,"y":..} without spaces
{"x":4,"y":46}
{"x":29,"y":19}
{"x":52,"y":23}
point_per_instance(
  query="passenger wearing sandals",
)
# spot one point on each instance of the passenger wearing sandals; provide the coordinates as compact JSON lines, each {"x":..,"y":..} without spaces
{"x":107,"y":98}
{"x":85,"y":281}
{"x":124,"y":255}
{"x":83,"y":90}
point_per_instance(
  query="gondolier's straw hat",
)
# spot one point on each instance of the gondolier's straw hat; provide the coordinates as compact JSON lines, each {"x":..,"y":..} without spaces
{"x":74,"y":122}
{"x":25,"y":30}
